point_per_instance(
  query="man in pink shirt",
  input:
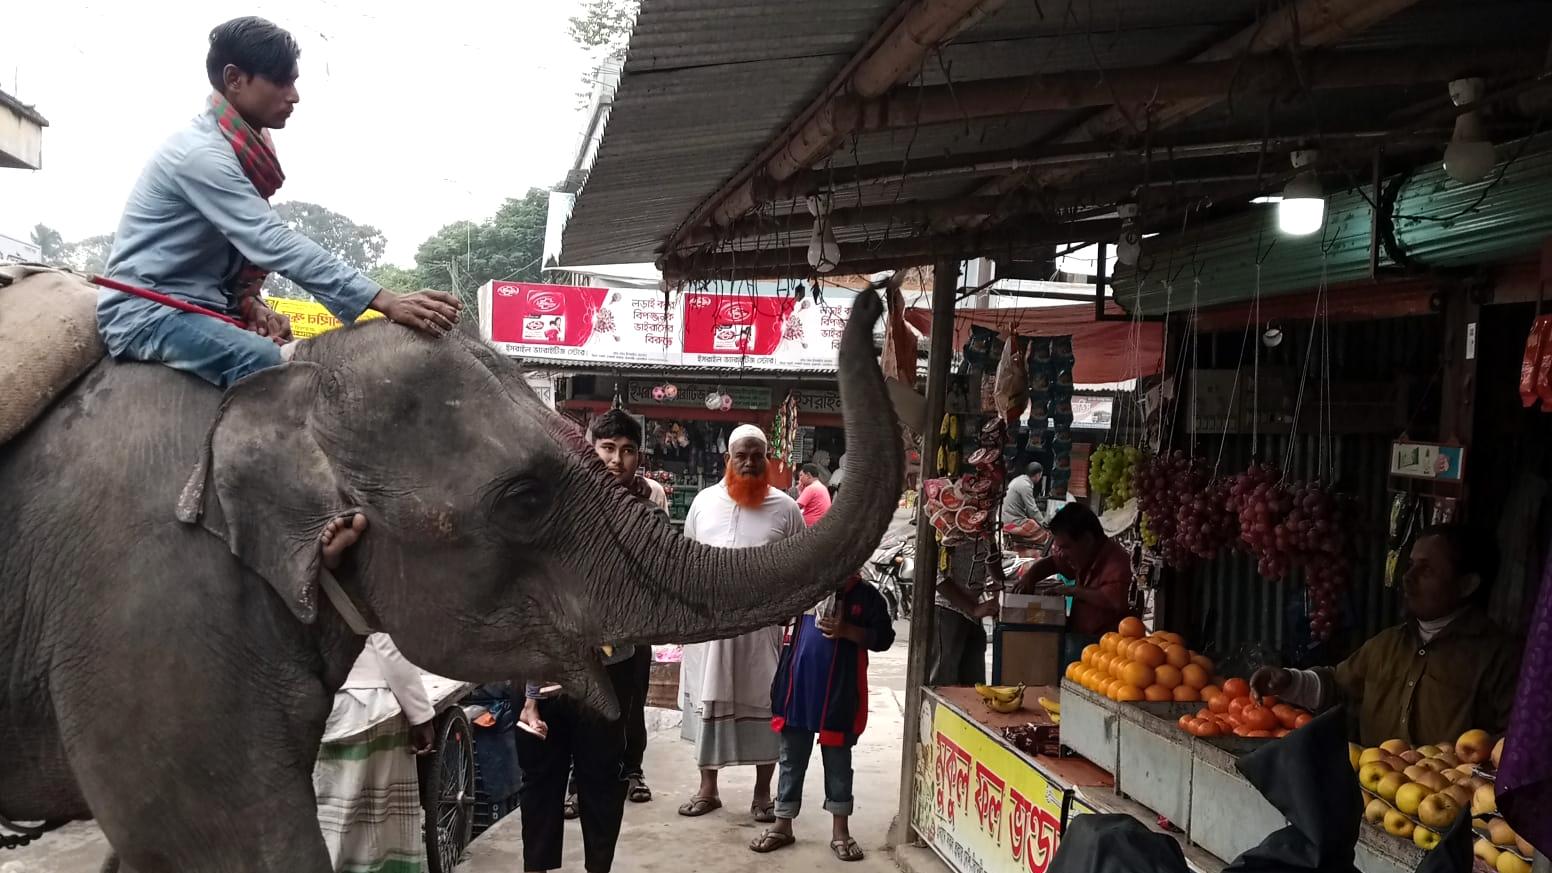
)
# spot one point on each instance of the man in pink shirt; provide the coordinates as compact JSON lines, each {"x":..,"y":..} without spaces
{"x":813,"y":496}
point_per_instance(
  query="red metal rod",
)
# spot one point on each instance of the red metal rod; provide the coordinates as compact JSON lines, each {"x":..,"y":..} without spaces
{"x":163,"y":299}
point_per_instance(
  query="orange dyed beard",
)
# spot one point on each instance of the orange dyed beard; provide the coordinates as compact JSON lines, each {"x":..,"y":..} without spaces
{"x":746,"y":491}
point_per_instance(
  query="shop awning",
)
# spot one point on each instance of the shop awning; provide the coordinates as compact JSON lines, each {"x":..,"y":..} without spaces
{"x":1106,"y":351}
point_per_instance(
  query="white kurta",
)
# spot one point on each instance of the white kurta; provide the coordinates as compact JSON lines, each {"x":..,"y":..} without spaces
{"x":725,"y":686}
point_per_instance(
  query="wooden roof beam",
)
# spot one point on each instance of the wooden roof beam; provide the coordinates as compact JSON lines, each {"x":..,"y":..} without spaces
{"x":904,"y":108}
{"x":888,"y":58}
{"x":1307,"y":24}
{"x":862,"y":257}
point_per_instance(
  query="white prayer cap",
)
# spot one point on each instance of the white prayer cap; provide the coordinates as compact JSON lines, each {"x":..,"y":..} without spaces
{"x":747,"y":432}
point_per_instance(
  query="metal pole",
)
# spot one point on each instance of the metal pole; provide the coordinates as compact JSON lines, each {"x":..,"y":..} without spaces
{"x":945,"y":286}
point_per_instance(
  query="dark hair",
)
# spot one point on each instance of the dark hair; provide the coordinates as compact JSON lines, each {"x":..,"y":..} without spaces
{"x":813,"y":470}
{"x":1034,"y":469}
{"x":1075,"y":520}
{"x":1471,"y":551}
{"x":255,"y":46}
{"x":616,"y":424}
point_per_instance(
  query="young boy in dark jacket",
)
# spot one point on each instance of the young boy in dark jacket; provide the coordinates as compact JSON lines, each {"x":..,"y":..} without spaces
{"x":821,"y":688}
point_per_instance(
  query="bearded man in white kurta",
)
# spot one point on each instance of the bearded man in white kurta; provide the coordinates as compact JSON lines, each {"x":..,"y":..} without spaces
{"x":725,"y":686}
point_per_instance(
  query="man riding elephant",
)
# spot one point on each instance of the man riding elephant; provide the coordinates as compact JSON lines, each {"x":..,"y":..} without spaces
{"x":198,"y":228}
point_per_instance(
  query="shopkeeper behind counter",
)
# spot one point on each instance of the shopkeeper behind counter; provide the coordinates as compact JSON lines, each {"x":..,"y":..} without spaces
{"x":1081,"y":551}
{"x":1444,"y":671}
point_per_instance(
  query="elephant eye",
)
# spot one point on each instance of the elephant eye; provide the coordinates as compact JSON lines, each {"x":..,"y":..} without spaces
{"x":521,"y":502}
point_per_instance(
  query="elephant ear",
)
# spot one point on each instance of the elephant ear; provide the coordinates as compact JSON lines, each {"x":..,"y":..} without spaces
{"x":264,"y":485}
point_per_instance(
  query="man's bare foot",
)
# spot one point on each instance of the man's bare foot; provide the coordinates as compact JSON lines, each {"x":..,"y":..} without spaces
{"x":339,"y":535}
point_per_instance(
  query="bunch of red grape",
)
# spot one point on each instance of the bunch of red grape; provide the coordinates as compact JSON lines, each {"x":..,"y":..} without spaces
{"x":1187,"y":512}
{"x":1289,"y":525}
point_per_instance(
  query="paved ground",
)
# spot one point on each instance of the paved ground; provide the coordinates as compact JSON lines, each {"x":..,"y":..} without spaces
{"x":654,"y":837}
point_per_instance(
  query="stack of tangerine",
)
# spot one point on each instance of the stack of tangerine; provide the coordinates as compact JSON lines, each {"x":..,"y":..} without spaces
{"x":1129,"y":664}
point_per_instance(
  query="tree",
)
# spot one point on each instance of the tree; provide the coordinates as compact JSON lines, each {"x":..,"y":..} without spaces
{"x":605,"y":24}
{"x":90,"y":255}
{"x":465,"y":255}
{"x":395,"y":278}
{"x":49,"y":241}
{"x":359,"y":245}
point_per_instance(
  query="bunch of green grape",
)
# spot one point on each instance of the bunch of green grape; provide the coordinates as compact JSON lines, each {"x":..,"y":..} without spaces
{"x":1110,"y":472}
{"x":1149,"y":538}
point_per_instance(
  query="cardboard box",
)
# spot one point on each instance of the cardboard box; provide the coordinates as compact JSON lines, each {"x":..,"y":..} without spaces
{"x":1048,"y":609}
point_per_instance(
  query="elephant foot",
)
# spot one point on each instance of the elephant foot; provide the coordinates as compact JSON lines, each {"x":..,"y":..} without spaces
{"x":338,"y":536}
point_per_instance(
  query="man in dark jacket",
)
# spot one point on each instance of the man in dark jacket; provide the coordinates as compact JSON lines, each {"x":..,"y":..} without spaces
{"x":821,"y":688}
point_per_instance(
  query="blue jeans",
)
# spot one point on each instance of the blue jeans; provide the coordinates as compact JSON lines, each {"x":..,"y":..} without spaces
{"x":207,"y":347}
{"x":797,"y":746}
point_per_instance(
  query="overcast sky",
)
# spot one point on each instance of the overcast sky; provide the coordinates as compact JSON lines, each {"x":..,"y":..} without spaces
{"x":412,"y":116}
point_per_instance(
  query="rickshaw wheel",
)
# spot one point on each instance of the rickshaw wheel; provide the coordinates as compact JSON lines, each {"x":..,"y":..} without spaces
{"x":448,"y":792}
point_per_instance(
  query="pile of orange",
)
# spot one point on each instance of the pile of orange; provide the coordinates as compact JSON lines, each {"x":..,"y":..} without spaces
{"x":1130,"y":664}
{"x":1232,"y":711}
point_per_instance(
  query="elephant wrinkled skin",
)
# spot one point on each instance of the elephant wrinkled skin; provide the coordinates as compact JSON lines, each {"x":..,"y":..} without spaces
{"x":172,"y":678}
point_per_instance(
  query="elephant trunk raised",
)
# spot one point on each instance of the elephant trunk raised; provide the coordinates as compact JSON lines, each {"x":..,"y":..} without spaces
{"x":656,"y":587}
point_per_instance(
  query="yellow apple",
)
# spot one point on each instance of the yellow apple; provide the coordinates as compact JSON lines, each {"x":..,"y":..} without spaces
{"x":1485,"y":801}
{"x":1474,"y":747}
{"x":1398,"y":825}
{"x":1390,"y":783}
{"x":1370,"y":774}
{"x":1396,"y":762}
{"x":1413,"y":756}
{"x":1425,"y":839}
{"x":1415,"y":772}
{"x":1487,"y":852}
{"x":1370,"y":755}
{"x":1479,"y":824}
{"x":1375,"y":811}
{"x":1461,"y":794}
{"x":1436,"y":765}
{"x":1355,"y":755}
{"x":1497,"y":752}
{"x":1508,"y":862}
{"x":1434,"y":781}
{"x":1448,"y":759}
{"x":1410,"y":796}
{"x":1396,"y":747}
{"x":1427,"y":751}
{"x":1438,"y":811}
{"x":1500,"y":833}
{"x":1445,"y":747}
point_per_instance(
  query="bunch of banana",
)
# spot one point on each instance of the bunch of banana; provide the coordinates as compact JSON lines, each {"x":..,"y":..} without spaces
{"x":1053,"y":708}
{"x":1001,"y":698}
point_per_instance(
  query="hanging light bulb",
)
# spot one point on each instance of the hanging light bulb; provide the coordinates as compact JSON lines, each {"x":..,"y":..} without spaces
{"x":824,"y":252}
{"x":1303,"y":208}
{"x":1469,"y":157}
{"x":1129,"y":245}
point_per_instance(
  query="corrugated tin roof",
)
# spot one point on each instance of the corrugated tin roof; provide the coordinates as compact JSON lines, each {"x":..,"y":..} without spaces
{"x":707,"y":84}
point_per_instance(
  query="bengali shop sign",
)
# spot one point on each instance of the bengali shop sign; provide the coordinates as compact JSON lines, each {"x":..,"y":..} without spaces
{"x":980,"y":805}
{"x":570,"y":323}
{"x":308,"y":319}
{"x":742,"y":330}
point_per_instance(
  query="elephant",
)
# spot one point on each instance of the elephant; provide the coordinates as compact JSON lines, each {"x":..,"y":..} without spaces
{"x":167,"y":662}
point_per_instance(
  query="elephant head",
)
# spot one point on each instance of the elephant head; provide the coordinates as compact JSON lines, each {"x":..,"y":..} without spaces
{"x":498,"y":545}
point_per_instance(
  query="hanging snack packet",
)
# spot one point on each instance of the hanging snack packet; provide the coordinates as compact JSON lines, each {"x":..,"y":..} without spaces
{"x":1530,"y":367}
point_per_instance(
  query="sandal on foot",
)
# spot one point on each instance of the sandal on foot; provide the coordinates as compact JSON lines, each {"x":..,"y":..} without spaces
{"x":570,"y":810}
{"x":846,"y":850}
{"x":639,"y":792}
{"x":698,"y":806}
{"x":763,"y":813}
{"x":770,"y":841}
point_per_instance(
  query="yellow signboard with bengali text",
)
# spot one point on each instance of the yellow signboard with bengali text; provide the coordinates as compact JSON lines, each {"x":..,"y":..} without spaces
{"x":983,"y":808}
{"x":308,"y":319}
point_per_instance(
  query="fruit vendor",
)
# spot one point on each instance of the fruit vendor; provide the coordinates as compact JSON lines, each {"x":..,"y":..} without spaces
{"x":1447,"y":669}
{"x":1102,"y":569}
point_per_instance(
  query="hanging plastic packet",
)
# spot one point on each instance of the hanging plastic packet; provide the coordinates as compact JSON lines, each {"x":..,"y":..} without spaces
{"x":1532,"y":369}
{"x":1012,"y":380}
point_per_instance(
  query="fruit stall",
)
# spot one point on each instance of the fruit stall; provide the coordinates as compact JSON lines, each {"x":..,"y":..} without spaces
{"x":1143,"y":725}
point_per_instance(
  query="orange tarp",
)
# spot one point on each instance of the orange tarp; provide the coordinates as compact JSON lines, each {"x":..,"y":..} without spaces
{"x":1105,"y":351}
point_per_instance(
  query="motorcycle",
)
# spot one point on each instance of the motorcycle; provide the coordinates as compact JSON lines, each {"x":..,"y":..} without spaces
{"x":891,"y":570}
